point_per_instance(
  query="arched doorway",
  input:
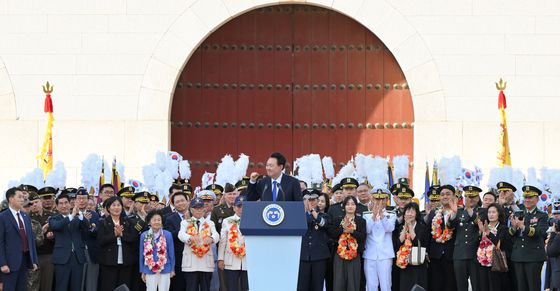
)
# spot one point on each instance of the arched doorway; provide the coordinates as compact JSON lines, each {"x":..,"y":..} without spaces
{"x":293,"y":78}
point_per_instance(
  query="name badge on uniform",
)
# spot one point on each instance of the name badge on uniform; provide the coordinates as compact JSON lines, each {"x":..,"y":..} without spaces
{"x":534,"y":220}
{"x":316,"y":227}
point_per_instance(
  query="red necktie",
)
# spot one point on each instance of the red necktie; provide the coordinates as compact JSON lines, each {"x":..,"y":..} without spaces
{"x":22,"y":235}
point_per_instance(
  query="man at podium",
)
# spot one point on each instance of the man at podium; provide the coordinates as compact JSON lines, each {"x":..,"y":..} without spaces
{"x":276,"y":186}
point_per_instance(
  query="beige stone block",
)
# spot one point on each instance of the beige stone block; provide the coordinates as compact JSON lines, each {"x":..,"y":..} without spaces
{"x":3,"y":10}
{"x":235,"y":7}
{"x":433,"y":140}
{"x":480,"y":144}
{"x":145,"y":23}
{"x":190,"y":28}
{"x":96,"y":107}
{"x":154,"y":105}
{"x":537,"y":65}
{"x":457,"y":24}
{"x":143,"y":139}
{"x":5,"y":82}
{"x":173,"y":51}
{"x":157,"y":7}
{"x":526,"y":140}
{"x":348,"y":7}
{"x":8,"y":107}
{"x":497,"y":65}
{"x":23,"y":24}
{"x":160,"y":76}
{"x":74,"y":140}
{"x":535,"y":85}
{"x":112,"y":64}
{"x":412,"y":52}
{"x":19,"y":143}
{"x":40,"y":64}
{"x":109,"y":85}
{"x":501,"y":7}
{"x":462,"y":86}
{"x":547,"y":24}
{"x":533,"y":44}
{"x":212,"y":12}
{"x":551,"y":142}
{"x":423,"y":79}
{"x":120,"y":43}
{"x":533,"y":109}
{"x":429,"y":107}
{"x":449,"y":44}
{"x":77,"y":23}
{"x":472,"y":109}
{"x":37,"y":43}
{"x":432,"y":7}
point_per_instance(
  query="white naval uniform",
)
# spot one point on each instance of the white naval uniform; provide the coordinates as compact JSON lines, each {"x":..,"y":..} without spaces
{"x":191,"y":262}
{"x":379,"y":252}
{"x":231,"y":261}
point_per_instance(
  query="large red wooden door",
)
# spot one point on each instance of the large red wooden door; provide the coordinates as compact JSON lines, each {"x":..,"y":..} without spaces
{"x":296,"y":79}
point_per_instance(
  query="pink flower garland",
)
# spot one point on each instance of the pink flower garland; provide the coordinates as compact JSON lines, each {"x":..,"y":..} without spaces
{"x":484,"y":252}
{"x":160,"y":248}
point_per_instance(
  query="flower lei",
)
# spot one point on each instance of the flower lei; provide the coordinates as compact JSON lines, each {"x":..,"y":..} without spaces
{"x":233,"y":235}
{"x":347,"y":244}
{"x":484,"y":252}
{"x":439,"y":235}
{"x":404,"y":252}
{"x":160,"y":248}
{"x":199,"y":250}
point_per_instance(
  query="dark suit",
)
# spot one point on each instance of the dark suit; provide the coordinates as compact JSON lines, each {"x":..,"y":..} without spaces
{"x":91,"y":268}
{"x":112,"y":273}
{"x":441,"y":275}
{"x":69,"y":251}
{"x":11,"y":250}
{"x":412,"y":275}
{"x":314,"y":254}
{"x":288,"y":190}
{"x":173,"y":225}
{"x":552,"y":280}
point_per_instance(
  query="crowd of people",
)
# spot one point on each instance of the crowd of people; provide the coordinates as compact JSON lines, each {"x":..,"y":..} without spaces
{"x":466,"y":239}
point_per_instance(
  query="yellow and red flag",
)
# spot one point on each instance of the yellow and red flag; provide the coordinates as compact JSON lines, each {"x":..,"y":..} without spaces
{"x":46,"y":155}
{"x":115,"y":177}
{"x":504,"y":155}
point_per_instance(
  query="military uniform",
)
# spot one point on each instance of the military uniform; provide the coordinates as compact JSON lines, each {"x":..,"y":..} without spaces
{"x":33,"y":277}
{"x":528,"y":252}
{"x":218,"y":191}
{"x":139,"y":226}
{"x":337,"y":210}
{"x":219,"y":213}
{"x":467,"y":240}
{"x":44,"y":252}
{"x":441,"y":275}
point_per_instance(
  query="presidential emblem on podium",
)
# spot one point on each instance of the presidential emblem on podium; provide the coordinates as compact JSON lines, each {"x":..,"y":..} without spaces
{"x":273,"y":214}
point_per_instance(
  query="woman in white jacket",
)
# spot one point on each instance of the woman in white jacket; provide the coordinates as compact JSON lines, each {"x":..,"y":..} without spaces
{"x":379,"y":253}
{"x":231,"y":251}
{"x":198,"y":234}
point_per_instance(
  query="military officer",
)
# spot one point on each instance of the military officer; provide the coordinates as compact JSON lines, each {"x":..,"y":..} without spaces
{"x":379,"y":254}
{"x":152,"y":202}
{"x":506,"y":198}
{"x":71,"y":193}
{"x":348,"y":186}
{"x":127,"y":196}
{"x":137,"y":219}
{"x":209,"y":198}
{"x":33,"y":277}
{"x":226,"y":208}
{"x":218,"y":191}
{"x":465,"y":223}
{"x":336,"y":194}
{"x":241,"y":186}
{"x":435,"y":199}
{"x":404,"y":196}
{"x":314,"y":245}
{"x":441,"y":276}
{"x":528,"y":230}
{"x":41,"y":214}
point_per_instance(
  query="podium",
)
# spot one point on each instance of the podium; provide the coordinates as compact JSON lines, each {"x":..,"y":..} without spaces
{"x":273,"y":232}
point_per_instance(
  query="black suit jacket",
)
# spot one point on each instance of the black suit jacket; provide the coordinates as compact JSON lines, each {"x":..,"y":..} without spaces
{"x":437,"y":250}
{"x":68,"y":238}
{"x":173,"y":225}
{"x":10,"y":242}
{"x":288,"y":190}
{"x":335,"y":231}
{"x":108,"y":249}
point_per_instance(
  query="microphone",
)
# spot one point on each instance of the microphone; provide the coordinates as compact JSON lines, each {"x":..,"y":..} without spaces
{"x":265,"y":187}
{"x":283,"y":194}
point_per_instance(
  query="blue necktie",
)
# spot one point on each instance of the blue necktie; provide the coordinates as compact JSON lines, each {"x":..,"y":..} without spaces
{"x":274,"y":190}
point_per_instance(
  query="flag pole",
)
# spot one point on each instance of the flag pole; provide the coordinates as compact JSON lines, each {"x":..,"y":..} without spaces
{"x":504,"y":155}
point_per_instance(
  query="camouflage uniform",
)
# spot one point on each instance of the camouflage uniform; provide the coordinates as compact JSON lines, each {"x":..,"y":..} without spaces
{"x":34,"y":277}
